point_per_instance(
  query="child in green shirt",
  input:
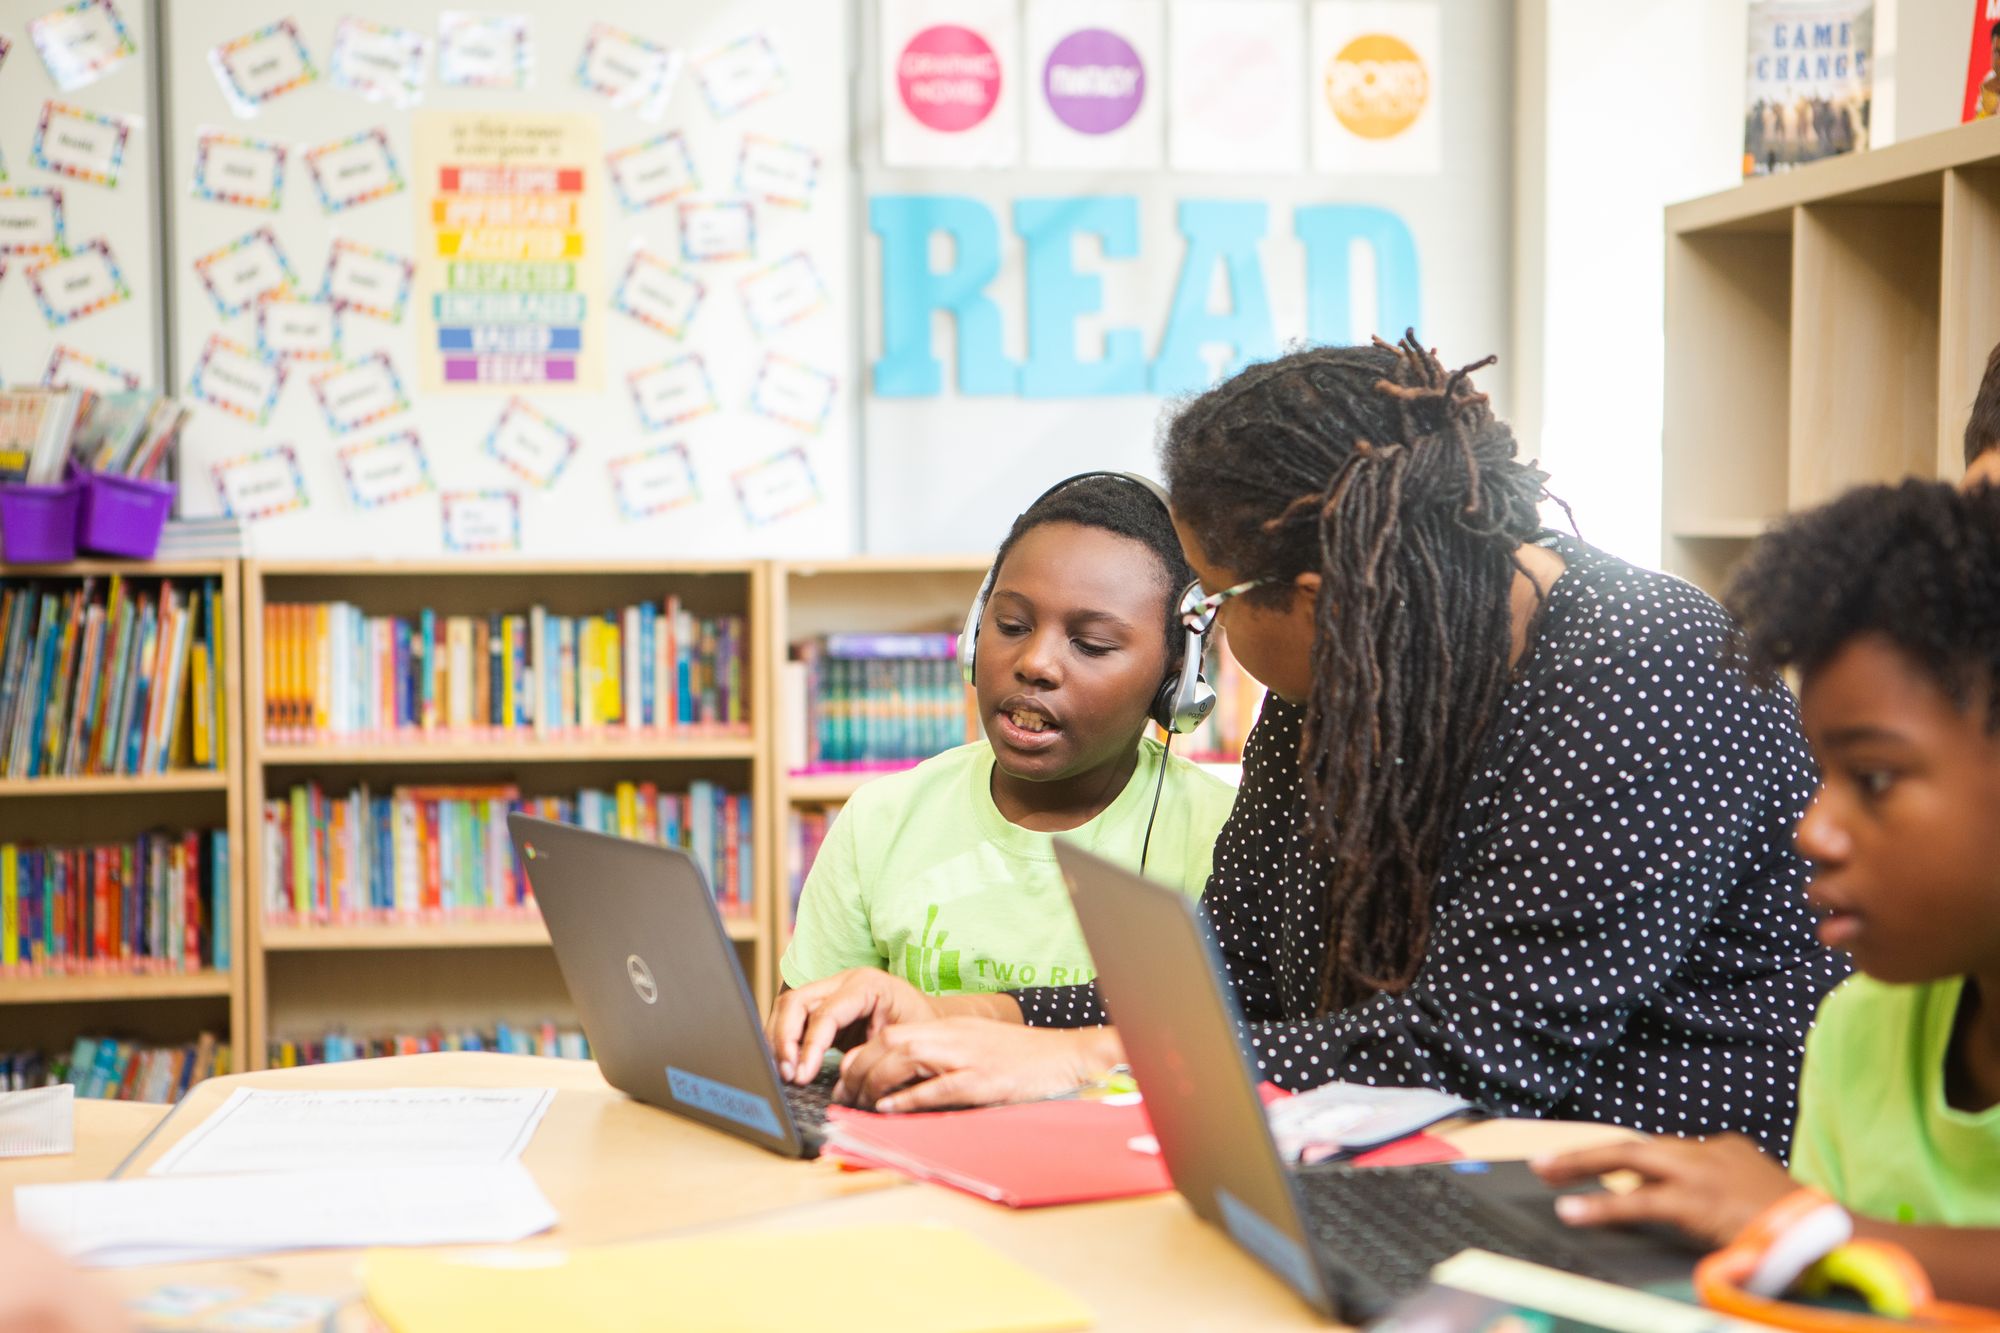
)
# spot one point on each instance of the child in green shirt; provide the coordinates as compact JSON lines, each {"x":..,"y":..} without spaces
{"x":945,"y":876}
{"x":1887,"y":602}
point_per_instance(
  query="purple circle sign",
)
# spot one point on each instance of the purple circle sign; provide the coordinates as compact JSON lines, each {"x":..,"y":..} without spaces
{"x":1094,"y":81}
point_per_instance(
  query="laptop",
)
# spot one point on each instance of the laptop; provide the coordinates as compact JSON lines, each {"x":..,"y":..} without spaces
{"x":1352,"y":1241}
{"x":656,"y":984}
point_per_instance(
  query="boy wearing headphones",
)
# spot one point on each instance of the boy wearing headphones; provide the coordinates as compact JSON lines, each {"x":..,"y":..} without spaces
{"x":945,"y":876}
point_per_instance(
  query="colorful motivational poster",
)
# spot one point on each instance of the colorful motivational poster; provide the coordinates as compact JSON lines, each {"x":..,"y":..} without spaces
{"x":777,"y":488}
{"x":71,"y":369}
{"x":794,"y":393}
{"x":80,"y":283}
{"x":378,"y":61}
{"x":364,"y":281}
{"x":1095,"y":99}
{"x":232,"y":169}
{"x":244,"y":271}
{"x":1235,"y":86}
{"x":739,"y":73}
{"x":481,"y":521}
{"x":652,"y":173}
{"x":294,"y":329}
{"x":530,"y":445}
{"x":483,"y":50}
{"x":81,"y":43}
{"x":950,"y":83}
{"x":1374,"y":88}
{"x":654,"y":482}
{"x":31,"y":221}
{"x":673,"y":392}
{"x":657,"y":294}
{"x":83,"y":145}
{"x":386,"y":470}
{"x":354,"y":170}
{"x":359,"y":394}
{"x":235,"y":379}
{"x":261,"y":65}
{"x":509,"y":271}
{"x":263,"y":484}
{"x":785,"y":293}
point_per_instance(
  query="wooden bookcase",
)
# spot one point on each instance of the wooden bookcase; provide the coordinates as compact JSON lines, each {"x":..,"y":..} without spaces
{"x":365,"y":979}
{"x":50,"y":1012}
{"x":1824,"y":329}
{"x":811,"y":598}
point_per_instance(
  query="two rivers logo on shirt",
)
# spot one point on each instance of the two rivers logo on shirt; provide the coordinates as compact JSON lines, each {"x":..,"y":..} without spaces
{"x":929,"y":967}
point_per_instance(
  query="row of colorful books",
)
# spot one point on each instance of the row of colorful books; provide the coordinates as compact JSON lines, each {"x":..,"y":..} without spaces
{"x":333,"y":671}
{"x":804,"y":834}
{"x":110,"y":677}
{"x":861,"y":701}
{"x":113,"y":1067}
{"x":545,"y":1040}
{"x":417,"y":853}
{"x":127,"y":434}
{"x":159,"y":903}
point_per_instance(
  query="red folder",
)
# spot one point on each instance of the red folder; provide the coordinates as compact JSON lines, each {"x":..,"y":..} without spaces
{"x":1070,"y":1151}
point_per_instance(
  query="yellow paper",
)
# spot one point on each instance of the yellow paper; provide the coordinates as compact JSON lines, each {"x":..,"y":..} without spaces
{"x":944,"y":1282}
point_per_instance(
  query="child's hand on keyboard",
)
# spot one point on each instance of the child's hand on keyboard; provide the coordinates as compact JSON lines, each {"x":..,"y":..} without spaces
{"x":1707,"y":1188}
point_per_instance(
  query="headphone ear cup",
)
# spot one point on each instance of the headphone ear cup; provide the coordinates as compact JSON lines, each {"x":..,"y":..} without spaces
{"x":968,"y":636}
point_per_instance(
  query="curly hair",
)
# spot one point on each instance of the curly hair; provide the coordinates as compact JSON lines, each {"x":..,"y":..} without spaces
{"x":1917,"y":563}
{"x":1389,"y":477}
{"x":1118,"y":505}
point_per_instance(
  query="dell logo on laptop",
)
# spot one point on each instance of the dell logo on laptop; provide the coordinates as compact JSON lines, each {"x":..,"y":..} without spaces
{"x":641,"y":977}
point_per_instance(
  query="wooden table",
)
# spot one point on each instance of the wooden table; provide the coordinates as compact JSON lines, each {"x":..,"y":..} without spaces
{"x":616,"y":1170}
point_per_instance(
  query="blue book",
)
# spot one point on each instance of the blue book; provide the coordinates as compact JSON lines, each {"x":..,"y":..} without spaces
{"x":746,"y":880}
{"x":222,"y":947}
{"x":649,"y":699}
{"x":428,"y":675}
{"x":140,"y":688}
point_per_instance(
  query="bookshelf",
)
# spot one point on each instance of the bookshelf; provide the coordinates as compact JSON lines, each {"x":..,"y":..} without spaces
{"x":427,"y":972}
{"x":1824,"y":329}
{"x":48,"y":1011}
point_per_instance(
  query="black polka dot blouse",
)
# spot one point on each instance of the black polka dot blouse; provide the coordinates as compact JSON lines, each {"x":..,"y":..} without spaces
{"x":1620,"y":930}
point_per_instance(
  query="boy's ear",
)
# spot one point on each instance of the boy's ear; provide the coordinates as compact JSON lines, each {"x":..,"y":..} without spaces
{"x":1983,"y":470}
{"x":1307,"y":583}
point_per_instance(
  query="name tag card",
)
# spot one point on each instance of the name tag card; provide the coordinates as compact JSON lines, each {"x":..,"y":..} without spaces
{"x":354,"y":170}
{"x":380,"y":62}
{"x":31,"y":221}
{"x":531,"y":445}
{"x":782,"y":294}
{"x":263,"y":484}
{"x":653,"y":482}
{"x":382,"y":472}
{"x":290,"y":329}
{"x":71,"y":369}
{"x":82,"y":283}
{"x":628,"y":69}
{"x":230,"y":169}
{"x":672,"y":392}
{"x":359,"y":394}
{"x":732,"y":77}
{"x":717,"y":233}
{"x":776,"y":488}
{"x":244,"y":271}
{"x":652,"y":172}
{"x":368,"y":282}
{"x":261,"y":65}
{"x":777,"y":172}
{"x":83,"y":145}
{"x":81,"y":43}
{"x":793,"y":392}
{"x":658,"y":295}
{"x":233,"y":378}
{"x":482,"y":520}
{"x":483,"y":50}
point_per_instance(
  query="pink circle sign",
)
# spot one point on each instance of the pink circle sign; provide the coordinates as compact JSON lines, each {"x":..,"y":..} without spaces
{"x":949,"y":78}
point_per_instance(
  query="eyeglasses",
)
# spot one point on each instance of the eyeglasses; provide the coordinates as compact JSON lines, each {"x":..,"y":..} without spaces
{"x":1198,"y":608}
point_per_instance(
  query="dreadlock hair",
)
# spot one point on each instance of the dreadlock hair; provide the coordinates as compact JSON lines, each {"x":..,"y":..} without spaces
{"x":1917,"y":563}
{"x":1122,"y":506}
{"x":1390,"y":478}
{"x":1982,"y":428}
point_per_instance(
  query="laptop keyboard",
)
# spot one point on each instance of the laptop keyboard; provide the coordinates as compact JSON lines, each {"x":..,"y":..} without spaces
{"x":809,"y":1103}
{"x":1395,"y":1225}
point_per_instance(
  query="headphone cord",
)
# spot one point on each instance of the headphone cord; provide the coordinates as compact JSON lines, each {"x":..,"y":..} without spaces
{"x":1166,"y":753}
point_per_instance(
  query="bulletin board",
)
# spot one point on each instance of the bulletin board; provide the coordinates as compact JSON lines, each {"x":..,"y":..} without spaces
{"x":527,"y":279}
{"x":80,"y":299}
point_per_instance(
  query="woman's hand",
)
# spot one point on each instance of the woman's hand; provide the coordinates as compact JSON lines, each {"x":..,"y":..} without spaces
{"x":805,"y":1022}
{"x":971,"y":1062}
{"x":1707,"y":1188}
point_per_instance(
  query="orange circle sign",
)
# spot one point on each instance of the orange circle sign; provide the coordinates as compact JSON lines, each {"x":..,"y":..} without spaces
{"x":1376,"y":86}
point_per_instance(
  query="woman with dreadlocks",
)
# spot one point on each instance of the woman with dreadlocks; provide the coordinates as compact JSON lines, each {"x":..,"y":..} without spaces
{"x":1509,"y":825}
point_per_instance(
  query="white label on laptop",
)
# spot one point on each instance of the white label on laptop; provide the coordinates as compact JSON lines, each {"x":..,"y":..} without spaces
{"x":1267,"y":1244}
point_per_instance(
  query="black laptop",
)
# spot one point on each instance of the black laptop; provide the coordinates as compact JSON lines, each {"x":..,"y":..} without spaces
{"x":1350,"y":1240}
{"x":655,"y":981}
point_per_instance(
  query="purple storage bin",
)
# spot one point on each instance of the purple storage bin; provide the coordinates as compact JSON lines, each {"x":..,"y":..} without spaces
{"x":38,"y":523}
{"x":123,"y":515}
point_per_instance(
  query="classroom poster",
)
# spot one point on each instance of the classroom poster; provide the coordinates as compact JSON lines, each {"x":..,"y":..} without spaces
{"x":1374,"y":88}
{"x":510,"y":251}
{"x":951,"y":83}
{"x":1096,"y":84}
{"x":1235,"y":100}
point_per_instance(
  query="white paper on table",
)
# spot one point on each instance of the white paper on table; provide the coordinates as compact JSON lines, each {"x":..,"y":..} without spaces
{"x":263,"y":1129}
{"x":121,"y":1223}
{"x":38,"y":1122}
{"x":1351,"y":1117}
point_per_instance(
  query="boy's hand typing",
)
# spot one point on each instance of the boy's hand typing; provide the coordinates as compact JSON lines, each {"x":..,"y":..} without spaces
{"x":1707,"y":1188}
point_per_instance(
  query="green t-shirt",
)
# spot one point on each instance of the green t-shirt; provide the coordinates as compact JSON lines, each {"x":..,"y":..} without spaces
{"x":923,"y":876}
{"x":1874,"y":1130}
